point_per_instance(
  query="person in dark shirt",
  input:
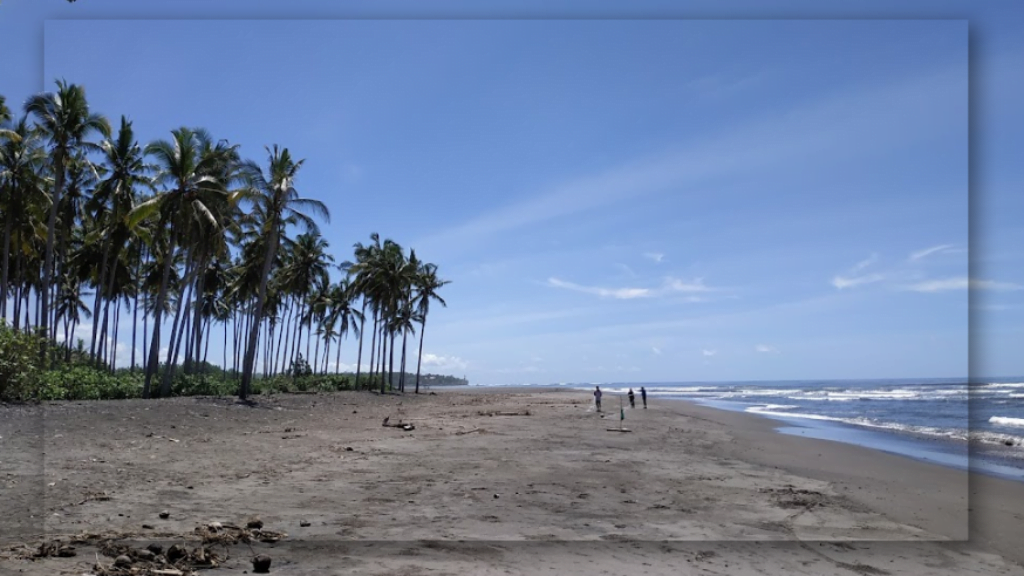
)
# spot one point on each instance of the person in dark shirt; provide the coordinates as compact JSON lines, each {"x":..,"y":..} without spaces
{"x":597,"y":397}
{"x":632,"y":399}
{"x":643,"y":396}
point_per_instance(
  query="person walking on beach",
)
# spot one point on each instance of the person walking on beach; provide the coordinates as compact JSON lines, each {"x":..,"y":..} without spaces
{"x":632,"y":399}
{"x":643,"y":396}
{"x":597,"y":397}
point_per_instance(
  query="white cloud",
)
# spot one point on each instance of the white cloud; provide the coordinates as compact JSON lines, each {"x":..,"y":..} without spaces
{"x":854,"y":277}
{"x":656,"y":256}
{"x":707,"y":352}
{"x":765,"y":348}
{"x":842,"y":282}
{"x":866,"y":262}
{"x":961,"y":283}
{"x":670,"y":285}
{"x":626,"y":269}
{"x":617,"y":293}
{"x":929,"y":251}
{"x":696,"y":285}
{"x":656,"y":350}
{"x":444,"y":362}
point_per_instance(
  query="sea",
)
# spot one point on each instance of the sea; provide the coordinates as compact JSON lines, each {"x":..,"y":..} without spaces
{"x":958,"y":422}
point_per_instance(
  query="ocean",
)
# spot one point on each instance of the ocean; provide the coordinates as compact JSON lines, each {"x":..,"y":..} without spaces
{"x":954,"y":422}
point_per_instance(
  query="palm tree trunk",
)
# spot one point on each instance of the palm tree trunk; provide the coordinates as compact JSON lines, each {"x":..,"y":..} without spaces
{"x":5,"y":264}
{"x":154,"y":347}
{"x":44,"y":294}
{"x":359,"y":358}
{"x":391,"y":364}
{"x":419,"y":358}
{"x":184,"y":294}
{"x":98,"y":300}
{"x":337,"y":360}
{"x":250,"y":353}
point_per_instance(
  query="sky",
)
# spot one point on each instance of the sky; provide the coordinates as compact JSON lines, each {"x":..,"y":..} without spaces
{"x":615,"y":199}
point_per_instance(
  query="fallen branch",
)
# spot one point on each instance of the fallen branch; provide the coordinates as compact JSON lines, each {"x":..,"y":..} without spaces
{"x":461,"y":432}
{"x":521,"y":413}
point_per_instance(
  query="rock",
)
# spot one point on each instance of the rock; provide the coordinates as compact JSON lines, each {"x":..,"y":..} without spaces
{"x":215,"y":526}
{"x":1009,"y":442}
{"x":155,"y":548}
{"x":349,"y":449}
{"x":304,"y":523}
{"x":261,"y":564}
{"x":145,"y":555}
{"x":175,"y":553}
{"x":147,"y":526}
{"x":66,"y":551}
{"x":254,"y":523}
{"x":164,"y":514}
{"x":496,"y":496}
{"x":122,"y":561}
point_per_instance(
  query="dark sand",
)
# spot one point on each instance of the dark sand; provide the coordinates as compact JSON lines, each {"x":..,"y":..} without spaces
{"x":691,"y":490}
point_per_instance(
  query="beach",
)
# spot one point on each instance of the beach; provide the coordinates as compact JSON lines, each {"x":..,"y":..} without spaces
{"x":497,"y":481}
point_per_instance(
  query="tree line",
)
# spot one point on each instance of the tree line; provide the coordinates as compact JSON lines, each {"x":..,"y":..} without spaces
{"x":185,"y":231}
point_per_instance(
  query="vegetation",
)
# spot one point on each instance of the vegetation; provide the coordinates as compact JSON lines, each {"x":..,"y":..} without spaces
{"x":182,"y":234}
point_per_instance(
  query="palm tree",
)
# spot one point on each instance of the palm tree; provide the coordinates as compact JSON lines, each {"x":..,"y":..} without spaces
{"x":275,"y":201}
{"x":427,"y":285}
{"x":192,"y":169}
{"x":112,"y":202}
{"x":65,"y":122}
{"x":21,"y":188}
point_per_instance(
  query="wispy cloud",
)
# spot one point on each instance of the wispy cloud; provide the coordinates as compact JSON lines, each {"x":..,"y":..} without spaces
{"x":618,"y":293}
{"x":854,"y":277}
{"x":811,"y":129}
{"x":961,"y":283}
{"x":765,"y":348}
{"x":656,"y":350}
{"x":670,"y":286}
{"x":929,"y":251}
{"x":707,"y":352}
{"x":656,"y":256}
{"x":449,"y":362}
{"x":629,"y":271}
{"x":842,"y":282}
{"x":866,"y":262}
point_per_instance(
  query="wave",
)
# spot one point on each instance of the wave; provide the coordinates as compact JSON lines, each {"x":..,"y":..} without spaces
{"x":867,"y":422}
{"x":1004,"y":385}
{"x":1005,"y":421}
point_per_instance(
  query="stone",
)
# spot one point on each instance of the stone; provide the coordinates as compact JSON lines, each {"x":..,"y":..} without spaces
{"x":261,"y":564}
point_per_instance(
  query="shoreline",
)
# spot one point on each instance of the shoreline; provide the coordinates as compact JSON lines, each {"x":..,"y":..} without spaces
{"x":977,"y":456}
{"x":489,"y":475}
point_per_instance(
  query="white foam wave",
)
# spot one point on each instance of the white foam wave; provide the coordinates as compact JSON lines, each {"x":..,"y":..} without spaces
{"x":1004,"y":385}
{"x":866,"y":422}
{"x":997,"y":438}
{"x":1005,"y":421}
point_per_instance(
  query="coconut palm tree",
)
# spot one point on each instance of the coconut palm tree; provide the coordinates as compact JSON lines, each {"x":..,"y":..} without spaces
{"x":191,"y":169}
{"x":427,"y":285}
{"x":21,"y":187}
{"x":275,"y":201}
{"x":65,"y":123}
{"x":111,"y":203}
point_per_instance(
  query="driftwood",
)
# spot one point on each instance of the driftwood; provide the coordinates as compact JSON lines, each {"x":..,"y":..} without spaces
{"x":520,"y":413}
{"x":406,"y":427}
{"x":618,"y":429}
{"x":461,"y":432}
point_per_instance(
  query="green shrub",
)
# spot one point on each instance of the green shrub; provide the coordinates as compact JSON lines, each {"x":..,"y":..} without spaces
{"x":202,"y":385}
{"x":88,"y":383}
{"x":19,"y":364}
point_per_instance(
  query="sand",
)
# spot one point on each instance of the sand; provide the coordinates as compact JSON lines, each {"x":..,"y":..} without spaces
{"x":488,"y":482}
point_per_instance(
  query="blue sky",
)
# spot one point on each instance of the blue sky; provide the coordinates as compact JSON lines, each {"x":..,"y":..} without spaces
{"x":619,"y":200}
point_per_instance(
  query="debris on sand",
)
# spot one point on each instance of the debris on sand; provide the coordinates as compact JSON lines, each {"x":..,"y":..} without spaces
{"x":261,"y":564}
